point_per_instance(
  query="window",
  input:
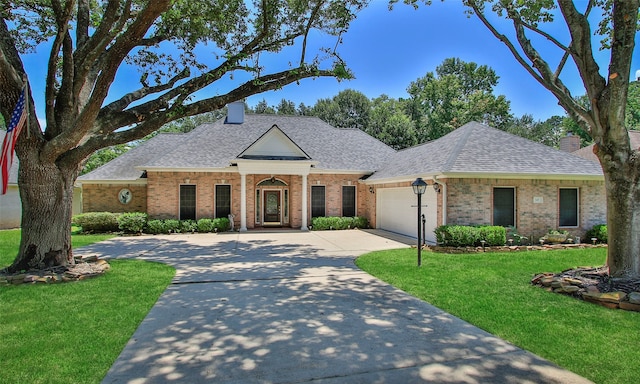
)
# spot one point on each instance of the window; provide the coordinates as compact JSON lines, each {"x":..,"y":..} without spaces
{"x":568,"y":207}
{"x":349,"y":200}
{"x":223,"y":200}
{"x":317,"y":201}
{"x":504,"y":206}
{"x":187,"y":202}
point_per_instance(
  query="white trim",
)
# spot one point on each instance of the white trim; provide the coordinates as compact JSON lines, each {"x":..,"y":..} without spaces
{"x":115,"y":182}
{"x":243,"y":202}
{"x":305,"y":204}
{"x":271,"y":167}
{"x":319,"y":171}
{"x":229,"y":168}
{"x":467,"y":175}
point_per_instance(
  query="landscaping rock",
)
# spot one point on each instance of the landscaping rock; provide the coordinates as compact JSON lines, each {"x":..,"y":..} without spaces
{"x":634,"y":297}
{"x":79,"y":271}
{"x":593,"y":285}
{"x":629,"y":306}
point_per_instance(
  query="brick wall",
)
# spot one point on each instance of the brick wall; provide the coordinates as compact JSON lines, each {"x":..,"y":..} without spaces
{"x":104,"y":198}
{"x":333,"y":193}
{"x":164,"y":188}
{"x":470,"y":202}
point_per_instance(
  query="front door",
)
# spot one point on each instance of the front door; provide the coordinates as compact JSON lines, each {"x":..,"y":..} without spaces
{"x":272,"y":208}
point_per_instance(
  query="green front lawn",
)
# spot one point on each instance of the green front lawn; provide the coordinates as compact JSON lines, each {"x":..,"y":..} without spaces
{"x":493,"y":292}
{"x":73,"y":332}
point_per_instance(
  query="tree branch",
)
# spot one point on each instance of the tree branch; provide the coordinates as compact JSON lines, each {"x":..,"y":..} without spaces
{"x":63,"y":16}
{"x":539,"y":69}
{"x":70,"y":138}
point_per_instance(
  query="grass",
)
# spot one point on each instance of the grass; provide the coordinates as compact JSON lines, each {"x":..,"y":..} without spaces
{"x":493,"y":292}
{"x":73,"y":332}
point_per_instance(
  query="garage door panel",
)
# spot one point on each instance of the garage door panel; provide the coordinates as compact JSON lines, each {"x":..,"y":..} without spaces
{"x":397,"y":211}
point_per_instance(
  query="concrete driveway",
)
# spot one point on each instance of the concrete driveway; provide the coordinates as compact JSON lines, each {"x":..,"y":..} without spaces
{"x":291,"y":307}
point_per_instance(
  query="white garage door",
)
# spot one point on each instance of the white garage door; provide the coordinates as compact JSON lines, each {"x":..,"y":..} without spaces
{"x":397,"y":211}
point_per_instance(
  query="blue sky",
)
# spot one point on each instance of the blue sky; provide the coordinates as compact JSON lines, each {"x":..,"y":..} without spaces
{"x":387,"y":50}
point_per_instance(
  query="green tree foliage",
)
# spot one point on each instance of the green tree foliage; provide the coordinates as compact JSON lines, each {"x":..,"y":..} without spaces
{"x":348,"y":109}
{"x":390,"y":124}
{"x":546,"y":132}
{"x":103,"y":156}
{"x":632,"y":116}
{"x":286,"y":107}
{"x":87,"y":106}
{"x":457,"y":93}
{"x":263,"y":108}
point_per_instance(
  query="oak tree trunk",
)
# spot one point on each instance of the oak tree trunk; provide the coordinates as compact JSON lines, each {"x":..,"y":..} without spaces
{"x":46,"y":192}
{"x":623,"y":217}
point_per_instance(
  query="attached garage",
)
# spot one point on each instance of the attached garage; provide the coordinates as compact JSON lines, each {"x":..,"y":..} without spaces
{"x":397,"y":211}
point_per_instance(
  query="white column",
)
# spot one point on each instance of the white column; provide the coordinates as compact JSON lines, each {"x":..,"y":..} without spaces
{"x":305,"y":207}
{"x":243,"y":202}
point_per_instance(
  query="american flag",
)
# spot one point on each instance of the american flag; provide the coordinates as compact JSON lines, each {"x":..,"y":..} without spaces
{"x":18,"y":117}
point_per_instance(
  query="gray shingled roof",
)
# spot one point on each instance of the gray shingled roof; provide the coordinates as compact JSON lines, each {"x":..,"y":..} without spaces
{"x":124,"y":166}
{"x":471,"y":149}
{"x":216,"y":145}
{"x":587,"y":152}
{"x":477,"y":148}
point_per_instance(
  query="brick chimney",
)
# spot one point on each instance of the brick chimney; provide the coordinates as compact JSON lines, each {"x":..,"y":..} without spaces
{"x":570,"y":143}
{"x":235,"y":113}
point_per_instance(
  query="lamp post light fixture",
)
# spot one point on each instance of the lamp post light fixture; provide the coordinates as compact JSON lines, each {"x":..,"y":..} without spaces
{"x":419,"y":187}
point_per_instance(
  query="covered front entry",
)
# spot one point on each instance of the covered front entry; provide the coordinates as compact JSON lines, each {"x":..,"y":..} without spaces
{"x":397,"y":211}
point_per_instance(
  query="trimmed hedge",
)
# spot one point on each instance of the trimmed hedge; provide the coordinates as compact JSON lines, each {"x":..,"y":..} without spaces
{"x":132,"y":222}
{"x":465,"y":236}
{"x":97,"y":222}
{"x":338,"y":223}
{"x":599,"y":232}
{"x":136,"y":222}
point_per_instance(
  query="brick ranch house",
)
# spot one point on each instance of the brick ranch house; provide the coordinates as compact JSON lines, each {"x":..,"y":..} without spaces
{"x":281,"y":171}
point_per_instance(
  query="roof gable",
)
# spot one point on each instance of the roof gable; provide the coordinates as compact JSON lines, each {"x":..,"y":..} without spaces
{"x":274,"y":145}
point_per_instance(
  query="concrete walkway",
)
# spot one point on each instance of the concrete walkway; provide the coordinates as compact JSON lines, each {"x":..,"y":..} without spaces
{"x":291,"y":307}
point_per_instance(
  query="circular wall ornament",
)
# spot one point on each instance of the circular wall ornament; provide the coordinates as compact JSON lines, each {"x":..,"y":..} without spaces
{"x":124,"y":196}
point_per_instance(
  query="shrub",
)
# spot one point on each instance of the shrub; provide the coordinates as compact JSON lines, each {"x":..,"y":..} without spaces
{"x":221,"y":224}
{"x":171,"y":225}
{"x":336,"y":222}
{"x":205,"y":225}
{"x":132,"y":222}
{"x":188,"y":226}
{"x":320,"y":223}
{"x":155,"y":227}
{"x":465,"y":236}
{"x":360,"y":222}
{"x":494,"y":235}
{"x":599,"y":232}
{"x":99,"y":222}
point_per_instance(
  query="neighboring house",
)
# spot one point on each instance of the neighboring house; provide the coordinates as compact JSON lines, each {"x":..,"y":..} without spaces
{"x":10,"y":203}
{"x":271,"y":170}
{"x":587,"y":152}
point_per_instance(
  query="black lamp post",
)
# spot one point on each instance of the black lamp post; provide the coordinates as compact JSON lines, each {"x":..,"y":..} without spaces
{"x":419,"y":187}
